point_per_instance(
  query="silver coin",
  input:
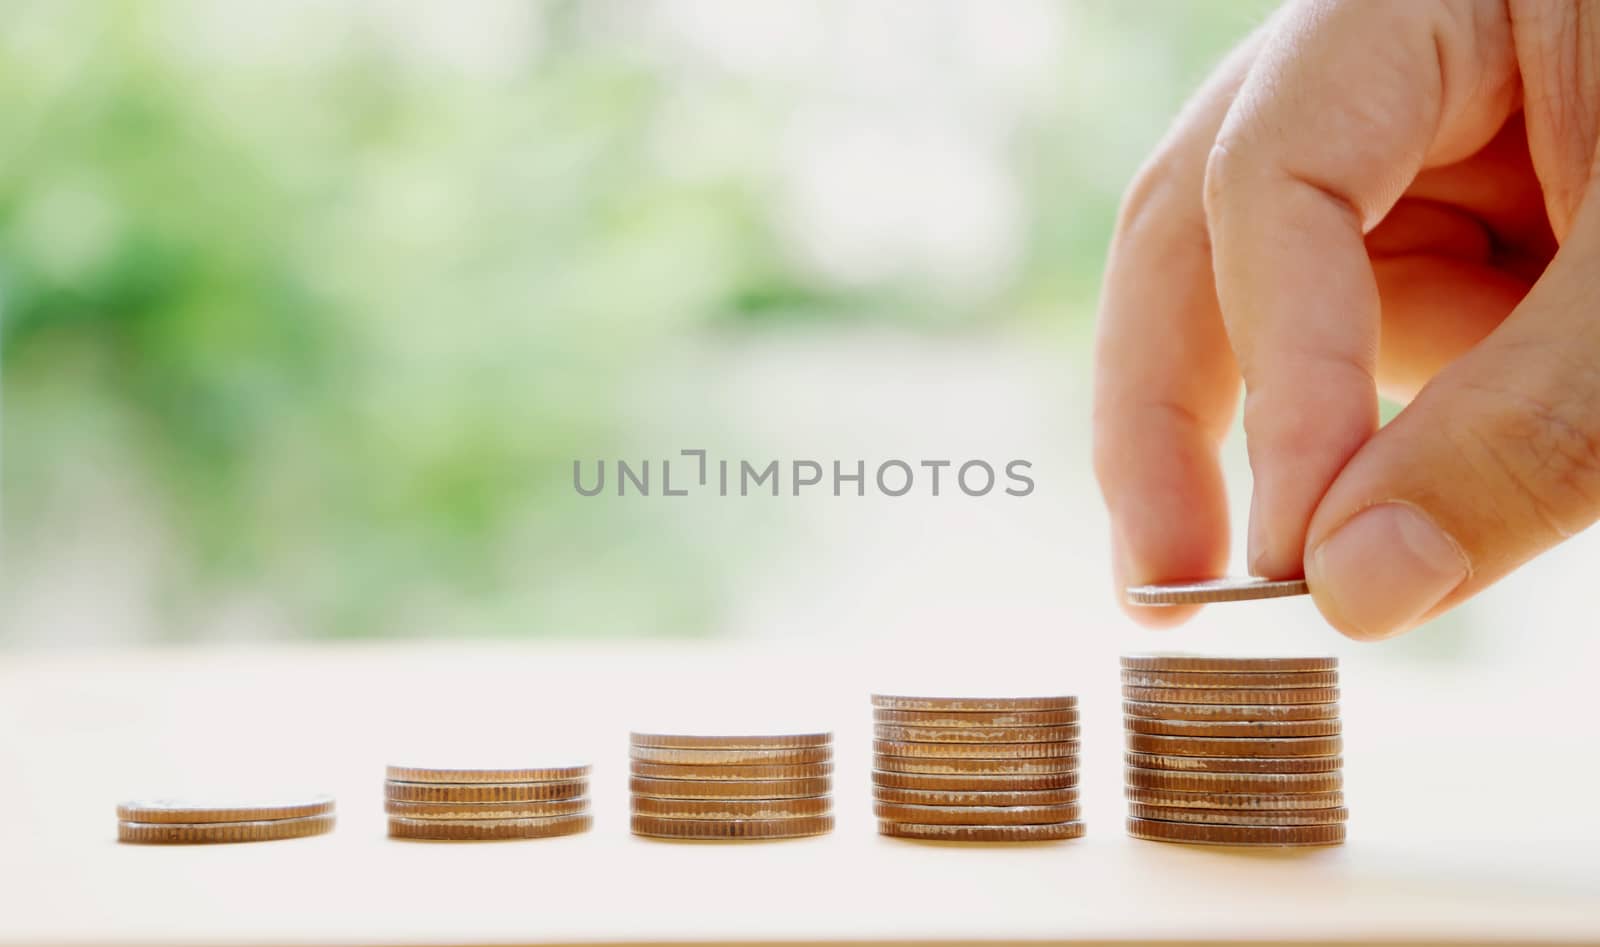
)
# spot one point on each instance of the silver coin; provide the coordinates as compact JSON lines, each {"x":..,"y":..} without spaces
{"x":1231,"y":589}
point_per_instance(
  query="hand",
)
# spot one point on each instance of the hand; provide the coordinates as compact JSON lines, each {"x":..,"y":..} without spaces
{"x":1420,"y":173}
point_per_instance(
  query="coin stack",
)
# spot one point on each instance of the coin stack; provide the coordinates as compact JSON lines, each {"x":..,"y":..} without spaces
{"x":173,"y":822}
{"x":968,"y":769}
{"x":478,"y":805}
{"x":1233,"y":751}
{"x":725,"y":788}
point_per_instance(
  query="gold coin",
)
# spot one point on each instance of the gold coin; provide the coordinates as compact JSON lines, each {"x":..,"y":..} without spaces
{"x":728,"y":771}
{"x":1240,"y":816}
{"x":1261,"y":712}
{"x":784,"y":757}
{"x":983,"y":833}
{"x":210,"y":833}
{"x":1235,"y":764}
{"x":975,"y":782}
{"x":1211,"y":591}
{"x":976,"y":815}
{"x":541,"y":774}
{"x":964,"y":704}
{"x":1232,"y":697}
{"x":483,"y":811}
{"x":1274,"y":783}
{"x":1067,"y":734}
{"x":976,"y":718}
{"x":1282,"y":835}
{"x":1231,"y":680}
{"x":775,"y":741}
{"x":702,"y":809}
{"x":1235,"y":746}
{"x":977,"y":751}
{"x":728,"y":830}
{"x":730,"y":788}
{"x":955,"y":767}
{"x":1178,"y":661}
{"x":949,"y":797}
{"x":1261,"y":729}
{"x":1255,"y":801}
{"x":192,"y":812}
{"x":486,"y":792}
{"x":488,"y":830}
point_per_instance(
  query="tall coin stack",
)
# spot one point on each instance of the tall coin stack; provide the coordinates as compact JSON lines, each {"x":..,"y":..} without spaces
{"x":480,"y":805}
{"x":968,"y":769}
{"x":173,"y":822}
{"x":725,"y":788}
{"x":1233,"y":751}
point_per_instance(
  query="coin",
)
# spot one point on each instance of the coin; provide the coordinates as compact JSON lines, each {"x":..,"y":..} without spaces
{"x":1135,"y":708}
{"x":1235,"y":746}
{"x":719,"y":757}
{"x":731,"y":829}
{"x":976,"y":815}
{"x":1196,"y":695}
{"x":191,"y":812}
{"x":1236,"y":834}
{"x":1235,"y":764}
{"x":542,"y":774}
{"x":948,"y":797}
{"x":776,"y":741}
{"x":733,"y":808}
{"x":730,"y":788}
{"x":1275,"y":783}
{"x":482,"y":811}
{"x":486,"y":792}
{"x":1264,"y":729}
{"x":983,"y":833}
{"x":1231,"y":680}
{"x":488,"y":830}
{"x":1009,"y":767}
{"x":209,"y":833}
{"x":1182,"y":661}
{"x":975,"y":782}
{"x":729,"y":771}
{"x":1255,"y":801}
{"x":964,"y":704}
{"x":885,"y":731}
{"x":976,"y":718}
{"x":1240,"y":816}
{"x":1209,"y":591}
{"x":976,"y":751}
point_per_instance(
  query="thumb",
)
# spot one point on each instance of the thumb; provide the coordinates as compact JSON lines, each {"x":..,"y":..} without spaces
{"x":1497,"y":460}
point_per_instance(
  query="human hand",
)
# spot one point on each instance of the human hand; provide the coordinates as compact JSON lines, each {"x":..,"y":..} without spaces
{"x":1420,"y":172}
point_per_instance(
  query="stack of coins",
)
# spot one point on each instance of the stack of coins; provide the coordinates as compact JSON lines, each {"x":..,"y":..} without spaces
{"x":173,"y":822}
{"x":478,"y":805}
{"x":968,"y":769}
{"x":1233,"y":751}
{"x":724,"y":788}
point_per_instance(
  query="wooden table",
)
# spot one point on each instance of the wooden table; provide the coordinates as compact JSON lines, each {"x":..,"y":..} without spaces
{"x":1473,"y":800}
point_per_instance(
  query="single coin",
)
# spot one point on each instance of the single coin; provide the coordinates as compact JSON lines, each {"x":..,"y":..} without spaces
{"x":966,"y":704}
{"x":976,"y":718}
{"x":488,"y":830}
{"x":730,"y":788}
{"x":1235,"y":746}
{"x":1263,"y":729}
{"x":975,"y":782}
{"x":1198,"y":695}
{"x":536,"y":774}
{"x":1211,"y":591}
{"x":968,"y":797}
{"x":1231,"y":680}
{"x":1235,"y":764}
{"x":1240,"y":816}
{"x":1067,"y":734}
{"x":211,"y":833}
{"x":775,"y":741}
{"x":785,"y":757}
{"x":976,"y":815}
{"x":957,"y":767}
{"x":486,"y":792}
{"x":728,"y":771}
{"x":976,"y":751}
{"x":1181,"y":661}
{"x":1252,"y":712}
{"x":483,"y":811}
{"x":983,"y":833}
{"x":1274,"y":783}
{"x":800,"y":808}
{"x":1255,"y":801}
{"x":727,"y":830}
{"x":191,"y":811}
{"x":1236,"y":834}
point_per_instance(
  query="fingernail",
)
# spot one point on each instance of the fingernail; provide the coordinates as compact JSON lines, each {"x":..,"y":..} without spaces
{"x":1256,"y":537}
{"x":1380,"y":572}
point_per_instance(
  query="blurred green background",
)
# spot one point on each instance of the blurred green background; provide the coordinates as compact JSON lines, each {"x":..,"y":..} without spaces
{"x":309,"y":307}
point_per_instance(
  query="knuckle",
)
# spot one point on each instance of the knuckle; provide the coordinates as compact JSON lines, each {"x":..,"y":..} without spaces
{"x":1161,"y":203}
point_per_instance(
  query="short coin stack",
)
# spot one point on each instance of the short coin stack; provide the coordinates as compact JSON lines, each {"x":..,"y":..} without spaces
{"x":479,"y":805}
{"x":173,"y":822}
{"x":726,"y":788}
{"x":969,"y":769}
{"x":1233,"y":751}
